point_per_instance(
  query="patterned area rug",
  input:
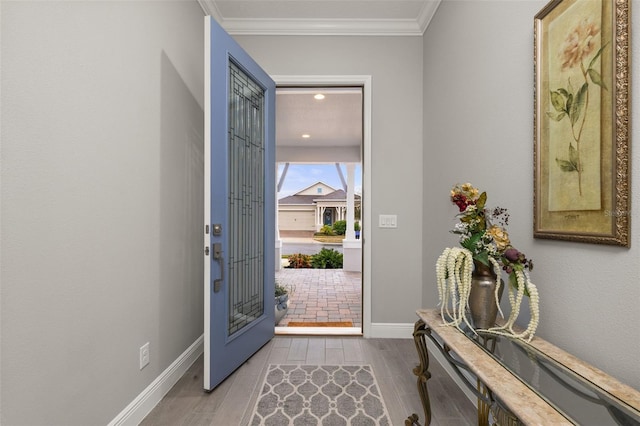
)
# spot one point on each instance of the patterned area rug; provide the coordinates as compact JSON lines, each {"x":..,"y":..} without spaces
{"x":320,"y":395}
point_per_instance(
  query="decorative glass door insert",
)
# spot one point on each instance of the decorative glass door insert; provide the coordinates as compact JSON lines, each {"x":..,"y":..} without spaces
{"x":246,"y":200}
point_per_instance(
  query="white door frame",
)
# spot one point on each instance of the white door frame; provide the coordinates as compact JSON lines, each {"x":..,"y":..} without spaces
{"x":365,"y":82}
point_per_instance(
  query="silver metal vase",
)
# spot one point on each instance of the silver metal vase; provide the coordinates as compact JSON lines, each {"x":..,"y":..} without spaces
{"x":482,"y":299}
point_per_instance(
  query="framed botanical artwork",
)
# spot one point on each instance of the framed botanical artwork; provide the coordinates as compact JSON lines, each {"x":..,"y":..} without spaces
{"x":581,"y":140}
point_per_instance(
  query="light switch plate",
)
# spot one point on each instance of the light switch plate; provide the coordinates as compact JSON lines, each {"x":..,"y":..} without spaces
{"x":388,"y":221}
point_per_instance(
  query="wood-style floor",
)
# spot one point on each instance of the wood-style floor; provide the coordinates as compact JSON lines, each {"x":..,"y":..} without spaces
{"x":392,"y":360}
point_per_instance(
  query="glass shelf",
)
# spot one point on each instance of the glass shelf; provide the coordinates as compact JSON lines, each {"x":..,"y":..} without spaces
{"x":575,"y":397}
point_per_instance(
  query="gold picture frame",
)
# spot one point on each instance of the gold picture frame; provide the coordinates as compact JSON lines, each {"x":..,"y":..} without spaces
{"x":581,"y":122}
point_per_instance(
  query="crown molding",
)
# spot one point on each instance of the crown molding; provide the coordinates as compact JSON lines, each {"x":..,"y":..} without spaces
{"x":426,"y":14}
{"x":210,"y":8}
{"x":334,"y":27}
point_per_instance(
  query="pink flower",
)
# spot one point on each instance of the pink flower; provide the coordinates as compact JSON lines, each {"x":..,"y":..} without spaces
{"x":579,"y":44}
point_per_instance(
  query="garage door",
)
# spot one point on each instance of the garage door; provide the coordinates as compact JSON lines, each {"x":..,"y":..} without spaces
{"x":296,"y":221}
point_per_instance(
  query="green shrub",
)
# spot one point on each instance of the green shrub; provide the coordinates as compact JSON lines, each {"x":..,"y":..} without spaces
{"x":280,"y":290}
{"x":326,"y":230}
{"x":356,"y":226}
{"x":340,"y":227}
{"x":299,"y":260}
{"x":327,"y":259}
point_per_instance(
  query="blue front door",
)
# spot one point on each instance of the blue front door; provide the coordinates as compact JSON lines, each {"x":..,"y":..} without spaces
{"x":328,"y":217}
{"x":239,"y":205}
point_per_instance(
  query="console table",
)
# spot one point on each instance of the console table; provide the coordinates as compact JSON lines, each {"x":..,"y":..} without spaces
{"x":522,"y":383}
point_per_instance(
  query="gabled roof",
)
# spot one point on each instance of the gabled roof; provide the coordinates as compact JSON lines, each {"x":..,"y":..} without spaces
{"x":320,"y":184}
{"x":335,"y":195}
{"x":298,"y":199}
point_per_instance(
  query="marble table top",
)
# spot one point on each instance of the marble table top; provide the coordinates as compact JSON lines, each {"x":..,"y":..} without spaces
{"x":519,"y":398}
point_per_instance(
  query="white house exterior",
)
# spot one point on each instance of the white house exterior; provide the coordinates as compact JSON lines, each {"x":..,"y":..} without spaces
{"x":313,"y":207}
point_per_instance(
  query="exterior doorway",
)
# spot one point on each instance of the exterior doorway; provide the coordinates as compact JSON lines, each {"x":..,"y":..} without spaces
{"x":302,"y":146}
{"x":327,"y":295}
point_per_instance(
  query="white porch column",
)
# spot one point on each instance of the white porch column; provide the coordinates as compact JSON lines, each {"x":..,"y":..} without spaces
{"x":278,"y":248}
{"x":351,"y":248}
{"x":319,"y":217}
{"x":351,"y":181}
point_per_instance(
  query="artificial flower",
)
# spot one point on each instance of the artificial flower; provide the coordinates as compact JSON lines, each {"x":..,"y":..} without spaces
{"x":500,"y":237}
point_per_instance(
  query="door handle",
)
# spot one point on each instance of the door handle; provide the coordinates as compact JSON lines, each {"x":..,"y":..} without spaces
{"x":217,"y":254}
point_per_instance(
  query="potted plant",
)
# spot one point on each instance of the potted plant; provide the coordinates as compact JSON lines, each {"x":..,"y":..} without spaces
{"x":356,"y":227}
{"x":282,"y":302}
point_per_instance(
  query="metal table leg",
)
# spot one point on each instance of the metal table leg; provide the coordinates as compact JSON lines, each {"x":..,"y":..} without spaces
{"x":422,"y":371}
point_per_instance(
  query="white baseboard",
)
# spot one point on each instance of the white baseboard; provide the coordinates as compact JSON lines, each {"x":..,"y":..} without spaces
{"x":142,"y":405}
{"x":391,"y":331}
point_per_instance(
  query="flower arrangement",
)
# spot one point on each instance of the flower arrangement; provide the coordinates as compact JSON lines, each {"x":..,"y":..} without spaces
{"x":483,"y":231}
{"x":484,"y":239}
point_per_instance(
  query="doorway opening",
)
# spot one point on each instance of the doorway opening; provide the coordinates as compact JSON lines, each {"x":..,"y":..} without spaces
{"x":319,"y":153}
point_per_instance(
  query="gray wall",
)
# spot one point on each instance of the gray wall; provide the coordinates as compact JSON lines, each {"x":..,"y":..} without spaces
{"x":395,"y":64}
{"x":102,"y":153}
{"x":478,"y":127}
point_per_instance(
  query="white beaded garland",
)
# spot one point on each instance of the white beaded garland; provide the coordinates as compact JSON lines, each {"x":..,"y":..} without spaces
{"x":522,"y":279}
{"x":453,"y":273}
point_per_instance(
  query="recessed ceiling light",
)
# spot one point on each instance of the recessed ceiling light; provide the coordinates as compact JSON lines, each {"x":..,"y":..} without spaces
{"x":319,"y":96}
{"x":306,"y":136}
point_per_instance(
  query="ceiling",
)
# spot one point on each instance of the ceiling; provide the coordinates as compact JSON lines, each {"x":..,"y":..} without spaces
{"x":324,"y":129}
{"x":334,"y":124}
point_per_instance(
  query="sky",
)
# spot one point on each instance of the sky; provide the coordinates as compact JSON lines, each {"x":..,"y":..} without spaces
{"x":301,"y":176}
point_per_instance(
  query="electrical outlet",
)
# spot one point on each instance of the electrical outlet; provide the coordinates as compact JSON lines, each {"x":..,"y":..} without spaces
{"x":144,"y":355}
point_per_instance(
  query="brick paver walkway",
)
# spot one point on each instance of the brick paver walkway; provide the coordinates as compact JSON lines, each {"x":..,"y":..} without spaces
{"x":325,"y":295}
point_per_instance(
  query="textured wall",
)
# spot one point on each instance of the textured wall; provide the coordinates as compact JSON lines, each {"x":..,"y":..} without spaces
{"x":102,"y":151}
{"x":478,"y":127}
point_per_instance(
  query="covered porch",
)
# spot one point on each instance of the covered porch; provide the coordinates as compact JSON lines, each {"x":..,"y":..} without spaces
{"x":322,"y":296}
